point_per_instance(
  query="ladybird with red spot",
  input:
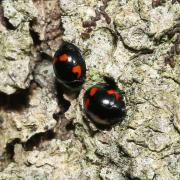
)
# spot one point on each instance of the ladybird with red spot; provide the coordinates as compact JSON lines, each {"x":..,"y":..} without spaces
{"x":69,"y":66}
{"x":104,"y":103}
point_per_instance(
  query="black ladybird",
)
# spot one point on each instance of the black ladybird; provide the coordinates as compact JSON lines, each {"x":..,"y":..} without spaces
{"x":104,"y":104}
{"x":69,"y":66}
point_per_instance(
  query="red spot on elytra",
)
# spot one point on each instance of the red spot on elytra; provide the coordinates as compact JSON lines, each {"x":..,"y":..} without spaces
{"x":77,"y":70}
{"x":63,"y":57}
{"x":93,"y":91}
{"x":114,"y":92}
{"x":87,"y":102}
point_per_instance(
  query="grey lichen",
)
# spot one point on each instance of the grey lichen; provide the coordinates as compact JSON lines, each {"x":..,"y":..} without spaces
{"x":19,"y":11}
{"x":127,"y":40}
{"x":35,"y":119}
{"x":57,"y":160}
{"x":16,"y":59}
{"x":131,"y":56}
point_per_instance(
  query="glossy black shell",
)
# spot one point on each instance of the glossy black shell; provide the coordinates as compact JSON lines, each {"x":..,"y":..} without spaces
{"x":104,"y":108}
{"x":63,"y":69}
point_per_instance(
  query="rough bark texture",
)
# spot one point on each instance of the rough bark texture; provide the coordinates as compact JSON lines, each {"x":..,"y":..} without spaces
{"x":136,"y":42}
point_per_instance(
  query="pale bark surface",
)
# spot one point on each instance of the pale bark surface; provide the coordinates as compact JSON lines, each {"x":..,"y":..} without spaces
{"x":136,"y":42}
